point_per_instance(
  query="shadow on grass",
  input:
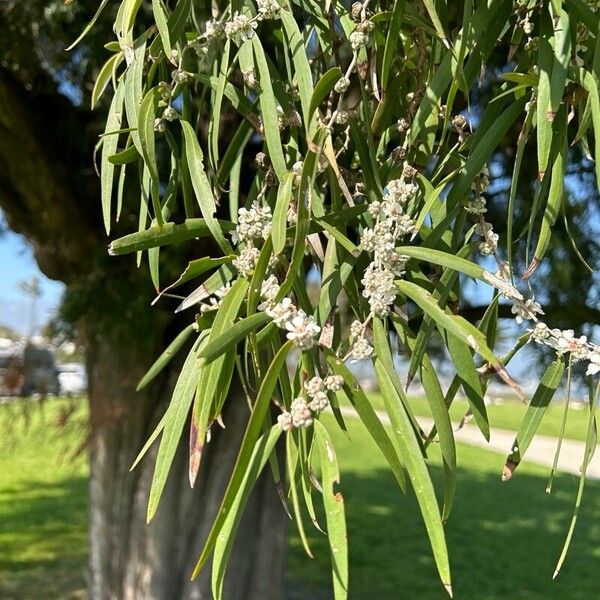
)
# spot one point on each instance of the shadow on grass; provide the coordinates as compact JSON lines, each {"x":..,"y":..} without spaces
{"x":43,"y":539}
{"x":504,"y":540}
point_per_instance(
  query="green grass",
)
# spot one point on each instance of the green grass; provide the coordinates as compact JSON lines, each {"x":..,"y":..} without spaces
{"x":504,"y":538}
{"x":509,"y":413}
{"x":43,"y":501}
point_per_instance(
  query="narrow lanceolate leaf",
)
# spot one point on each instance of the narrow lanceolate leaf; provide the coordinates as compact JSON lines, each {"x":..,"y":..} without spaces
{"x":257,"y":417}
{"x":368,"y":416}
{"x":89,"y":26}
{"x":168,"y":234}
{"x":202,"y":187}
{"x":469,"y":378}
{"x":104,"y":76}
{"x":304,"y":79}
{"x":418,"y":473}
{"x":177,"y":414}
{"x":260,"y":454}
{"x":535,"y":411}
{"x":160,"y":16}
{"x":109,"y":147}
{"x":146,"y":117}
{"x":232,"y":336}
{"x":444,"y":259}
{"x":543,"y":108}
{"x":163,"y":360}
{"x":323,"y":88}
{"x":211,"y":376}
{"x":335,"y":514}
{"x":268,"y":109}
{"x":393,"y":35}
{"x":453,"y":324}
{"x":284,"y":197}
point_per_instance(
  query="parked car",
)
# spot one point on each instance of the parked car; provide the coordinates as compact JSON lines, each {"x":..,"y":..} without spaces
{"x":27,"y":369}
{"x":72,"y":378}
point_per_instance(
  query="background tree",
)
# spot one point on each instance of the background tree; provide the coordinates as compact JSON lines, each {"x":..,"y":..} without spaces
{"x":343,"y":97}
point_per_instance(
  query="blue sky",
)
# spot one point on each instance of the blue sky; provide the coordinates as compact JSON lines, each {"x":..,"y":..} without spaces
{"x":17,"y":264}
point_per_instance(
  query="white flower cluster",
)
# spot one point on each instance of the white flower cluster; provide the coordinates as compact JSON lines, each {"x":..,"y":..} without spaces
{"x":359,"y":38}
{"x":391,"y":224}
{"x":253,"y":223}
{"x":240,"y":28}
{"x":526,"y":310}
{"x":489,"y":245}
{"x":246,"y":261}
{"x":213,"y":30}
{"x":301,"y":328}
{"x":360,"y":348}
{"x":301,"y":410}
{"x":268,"y":9}
{"x":565,"y":342}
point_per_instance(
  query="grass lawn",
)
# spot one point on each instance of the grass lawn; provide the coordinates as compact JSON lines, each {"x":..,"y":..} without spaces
{"x":43,"y":501}
{"x":509,"y":414}
{"x":504,"y":538}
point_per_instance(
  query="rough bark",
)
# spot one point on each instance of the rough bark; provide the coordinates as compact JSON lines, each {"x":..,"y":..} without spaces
{"x":131,"y":560}
{"x":48,"y":192}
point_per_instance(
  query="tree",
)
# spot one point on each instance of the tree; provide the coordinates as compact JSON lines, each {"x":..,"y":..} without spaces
{"x":370,"y":128}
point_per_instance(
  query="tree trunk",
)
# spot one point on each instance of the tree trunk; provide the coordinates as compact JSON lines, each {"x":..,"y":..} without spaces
{"x":51,"y":197}
{"x":130,"y":560}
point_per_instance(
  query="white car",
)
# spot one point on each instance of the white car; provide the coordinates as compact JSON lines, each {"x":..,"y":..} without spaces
{"x":72,"y":378}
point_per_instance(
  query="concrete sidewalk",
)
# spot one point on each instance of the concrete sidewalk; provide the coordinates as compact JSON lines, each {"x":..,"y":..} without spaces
{"x":541,"y":451}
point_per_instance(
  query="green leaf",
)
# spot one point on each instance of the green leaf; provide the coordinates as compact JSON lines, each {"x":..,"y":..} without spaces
{"x":284,"y":197}
{"x":323,"y":88}
{"x":109,"y":146}
{"x":268,"y":109}
{"x":535,"y":411}
{"x":160,"y":18}
{"x":453,"y":324}
{"x":157,"y":431}
{"x":391,"y":40}
{"x":146,"y":118}
{"x":445,"y":259}
{"x":232,"y":336}
{"x":469,"y":379}
{"x":89,"y":26}
{"x":259,"y":412}
{"x":295,"y":43}
{"x":335,"y":514}
{"x":417,"y":471}
{"x":260,"y":454}
{"x":104,"y":76}
{"x":164,"y":359}
{"x":168,"y":234}
{"x":125,"y":157}
{"x":215,"y":120}
{"x":198,"y":267}
{"x":202,"y":187}
{"x":368,"y":416}
{"x":211,"y":381}
{"x":175,"y":419}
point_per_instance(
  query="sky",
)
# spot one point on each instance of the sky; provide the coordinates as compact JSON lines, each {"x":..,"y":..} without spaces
{"x":18,"y":264}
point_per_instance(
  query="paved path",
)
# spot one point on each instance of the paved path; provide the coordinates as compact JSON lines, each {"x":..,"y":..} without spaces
{"x":541,"y":451}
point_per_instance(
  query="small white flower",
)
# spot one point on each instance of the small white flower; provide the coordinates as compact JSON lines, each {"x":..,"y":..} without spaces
{"x":282,"y":312}
{"x":476,"y":206}
{"x":379,"y":289}
{"x":594,"y":358}
{"x":526,"y":310}
{"x":170,"y":114}
{"x":319,"y":402}
{"x":567,"y":342}
{"x":253,"y":223}
{"x":246,"y":261}
{"x":213,"y":29}
{"x":302,"y":330}
{"x":356,"y":329}
{"x":342,"y":85}
{"x":300,"y":413}
{"x":341,"y":117}
{"x":284,"y":420}
{"x":361,"y":349}
{"x":159,"y":125}
{"x":358,"y":39}
{"x":334,"y":382}
{"x":240,"y":29}
{"x":314,"y":386}
{"x":269,"y":289}
{"x":268,"y":9}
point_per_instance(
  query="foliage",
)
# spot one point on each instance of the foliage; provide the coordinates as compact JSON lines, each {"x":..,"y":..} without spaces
{"x":369,"y":173}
